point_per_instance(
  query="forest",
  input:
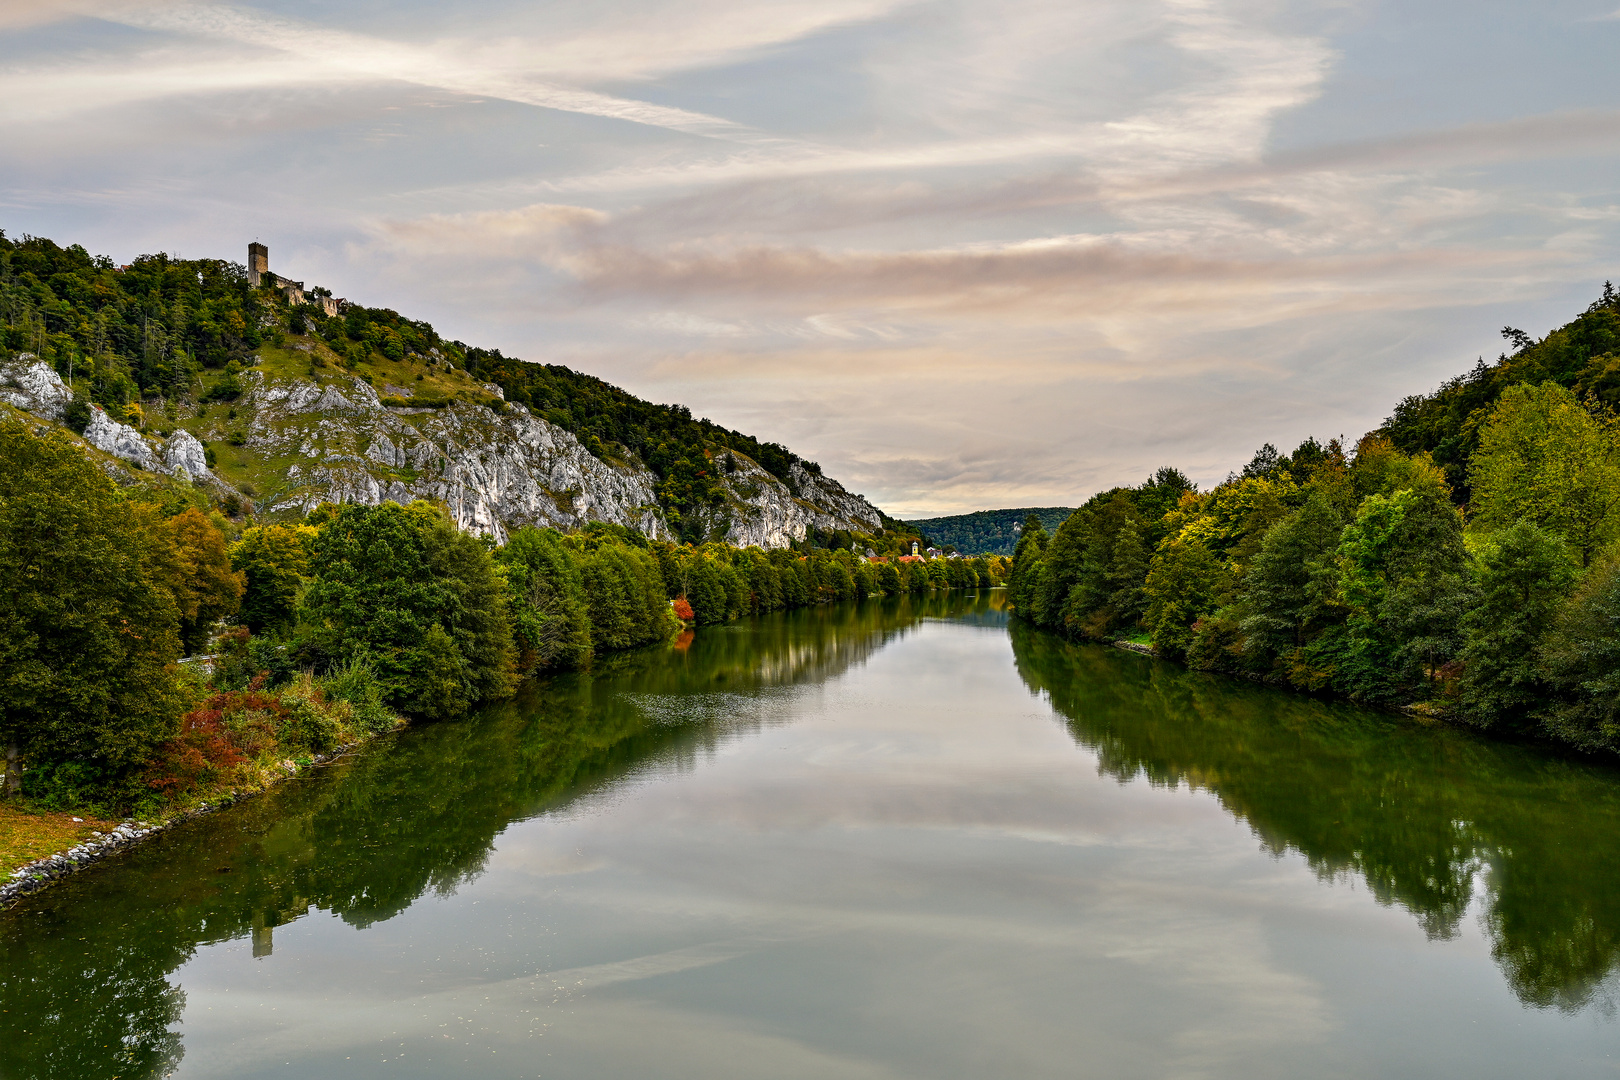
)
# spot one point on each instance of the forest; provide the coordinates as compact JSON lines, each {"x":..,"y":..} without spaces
{"x":993,"y":532}
{"x":148,"y":330}
{"x":323,"y":630}
{"x":1462,"y":561}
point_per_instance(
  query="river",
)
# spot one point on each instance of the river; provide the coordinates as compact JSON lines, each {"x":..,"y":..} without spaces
{"x":901,"y":838}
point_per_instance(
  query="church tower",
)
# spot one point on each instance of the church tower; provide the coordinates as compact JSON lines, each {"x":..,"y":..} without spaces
{"x":258,"y":263}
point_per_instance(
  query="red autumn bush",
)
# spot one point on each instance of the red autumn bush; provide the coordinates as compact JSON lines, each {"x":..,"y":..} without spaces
{"x":683,"y":610}
{"x":215,"y":738}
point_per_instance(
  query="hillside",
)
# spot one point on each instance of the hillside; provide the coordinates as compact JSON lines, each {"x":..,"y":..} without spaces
{"x":294,"y":397}
{"x":987,"y":531}
{"x":1583,"y":356}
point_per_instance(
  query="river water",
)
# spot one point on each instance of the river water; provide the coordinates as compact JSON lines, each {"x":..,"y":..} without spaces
{"x":894,"y":839}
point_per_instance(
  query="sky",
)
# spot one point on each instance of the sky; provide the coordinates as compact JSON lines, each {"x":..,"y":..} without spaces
{"x":965,"y":255}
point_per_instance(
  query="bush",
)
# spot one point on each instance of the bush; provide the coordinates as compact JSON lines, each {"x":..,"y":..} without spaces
{"x":308,"y":720}
{"x":356,"y":683}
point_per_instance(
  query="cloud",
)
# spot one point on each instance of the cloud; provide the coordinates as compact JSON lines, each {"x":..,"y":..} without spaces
{"x":511,"y":70}
{"x":960,"y":253}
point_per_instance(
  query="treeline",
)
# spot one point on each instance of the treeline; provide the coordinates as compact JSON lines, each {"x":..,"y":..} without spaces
{"x":992,"y":531}
{"x":1462,"y":560}
{"x":146,"y":331}
{"x":342,"y":622}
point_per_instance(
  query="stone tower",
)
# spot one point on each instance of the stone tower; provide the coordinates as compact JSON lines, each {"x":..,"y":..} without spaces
{"x":258,"y":263}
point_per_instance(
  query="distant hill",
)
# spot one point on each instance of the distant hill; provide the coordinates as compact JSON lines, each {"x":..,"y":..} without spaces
{"x":992,"y":531}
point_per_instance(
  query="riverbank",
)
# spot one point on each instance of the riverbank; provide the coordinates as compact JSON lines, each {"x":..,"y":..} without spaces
{"x":40,"y":847}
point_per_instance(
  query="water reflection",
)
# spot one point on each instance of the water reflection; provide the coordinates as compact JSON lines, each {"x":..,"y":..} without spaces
{"x":84,"y":967}
{"x":910,"y":835}
{"x":1427,"y":817}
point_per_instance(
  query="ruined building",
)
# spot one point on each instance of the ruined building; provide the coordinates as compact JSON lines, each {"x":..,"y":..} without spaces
{"x":258,"y":272}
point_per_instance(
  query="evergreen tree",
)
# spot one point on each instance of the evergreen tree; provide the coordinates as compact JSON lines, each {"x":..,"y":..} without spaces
{"x":1181,"y":588}
{"x":1028,"y":555}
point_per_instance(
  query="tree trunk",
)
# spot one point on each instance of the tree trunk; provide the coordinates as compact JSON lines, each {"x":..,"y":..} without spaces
{"x":12,"y":784}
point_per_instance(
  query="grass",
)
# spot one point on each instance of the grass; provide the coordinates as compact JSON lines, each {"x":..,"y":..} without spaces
{"x":1140,"y":637}
{"x":26,"y":836}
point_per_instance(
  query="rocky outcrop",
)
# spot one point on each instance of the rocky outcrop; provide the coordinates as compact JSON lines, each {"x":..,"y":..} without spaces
{"x":770,"y":513}
{"x":498,"y":469}
{"x":120,"y":440}
{"x":182,"y":453}
{"x":30,"y":383}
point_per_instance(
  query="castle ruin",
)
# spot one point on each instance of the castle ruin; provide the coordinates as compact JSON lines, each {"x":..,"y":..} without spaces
{"x":258,"y":273}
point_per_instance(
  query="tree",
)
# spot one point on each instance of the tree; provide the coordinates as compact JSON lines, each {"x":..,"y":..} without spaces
{"x":625,"y":596}
{"x":475,"y":616}
{"x":205,"y":587}
{"x":88,"y":626}
{"x":1028,"y":556}
{"x":274,"y":560}
{"x":1291,"y":584}
{"x":1580,"y":658}
{"x":1181,"y":588}
{"x":1402,"y":571}
{"x":1543,"y":458}
{"x":402,"y":588}
{"x":1523,"y":574}
{"x":551,"y":626}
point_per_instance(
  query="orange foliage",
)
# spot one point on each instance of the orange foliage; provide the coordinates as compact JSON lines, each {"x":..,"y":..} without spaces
{"x":683,"y":610}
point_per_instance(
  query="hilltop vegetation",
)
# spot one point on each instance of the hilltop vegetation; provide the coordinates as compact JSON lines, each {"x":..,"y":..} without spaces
{"x":164,"y":330}
{"x":992,"y":532}
{"x":1463,"y":560}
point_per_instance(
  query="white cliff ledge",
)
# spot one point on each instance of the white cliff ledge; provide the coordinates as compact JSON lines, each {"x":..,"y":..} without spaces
{"x":304,"y":441}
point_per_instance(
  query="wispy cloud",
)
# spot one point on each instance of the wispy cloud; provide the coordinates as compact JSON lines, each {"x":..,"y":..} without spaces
{"x":960,"y":253}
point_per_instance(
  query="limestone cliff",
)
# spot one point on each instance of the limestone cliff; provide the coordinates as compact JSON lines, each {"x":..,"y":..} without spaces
{"x":298,"y":437}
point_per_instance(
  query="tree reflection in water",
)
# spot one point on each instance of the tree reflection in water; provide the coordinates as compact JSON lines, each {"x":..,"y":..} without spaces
{"x":1429,"y":818}
{"x":85,"y":966}
{"x":1424,"y":815}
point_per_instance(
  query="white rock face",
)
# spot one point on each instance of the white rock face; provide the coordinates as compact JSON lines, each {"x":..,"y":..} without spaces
{"x":495,"y":472}
{"x":120,"y":440}
{"x":184,"y":454}
{"x":30,"y":383}
{"x":766,"y":512}
{"x":500,"y":471}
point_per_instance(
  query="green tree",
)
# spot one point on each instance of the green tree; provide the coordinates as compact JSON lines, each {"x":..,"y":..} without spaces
{"x":274,"y":560}
{"x":1523,"y":574}
{"x":1291,"y":585}
{"x":88,"y":625}
{"x":402,"y":588}
{"x":1543,"y":458}
{"x":1028,"y":561}
{"x":1402,"y":566}
{"x":1580,"y":658}
{"x":551,"y":625}
{"x":1182,"y":587}
{"x":625,"y":596}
